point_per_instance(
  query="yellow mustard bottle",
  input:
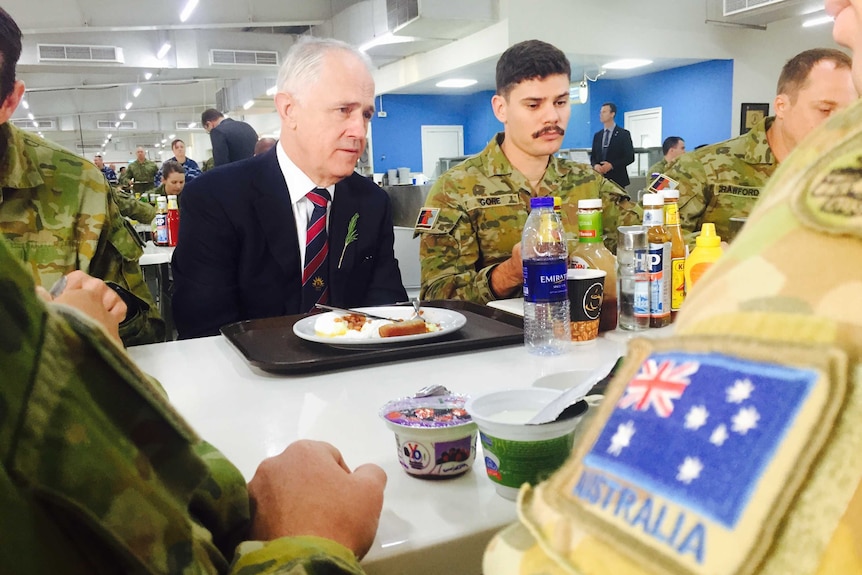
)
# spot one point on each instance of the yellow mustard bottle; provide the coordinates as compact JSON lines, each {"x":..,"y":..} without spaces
{"x":706,"y":252}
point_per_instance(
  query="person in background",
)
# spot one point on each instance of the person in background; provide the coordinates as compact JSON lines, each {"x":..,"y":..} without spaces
{"x":174,"y":178}
{"x":264,"y":144}
{"x":470,"y":226}
{"x":58,"y":216}
{"x":277,"y":233}
{"x":232,"y":140}
{"x":140,"y":175}
{"x":672,"y":148}
{"x":768,"y":344}
{"x":612,"y":149}
{"x":191,"y":167}
{"x":110,"y":174}
{"x":100,"y":474}
{"x":725,"y":180}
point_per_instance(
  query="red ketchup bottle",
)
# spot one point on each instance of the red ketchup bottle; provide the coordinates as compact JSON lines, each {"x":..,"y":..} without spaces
{"x":173,"y":220}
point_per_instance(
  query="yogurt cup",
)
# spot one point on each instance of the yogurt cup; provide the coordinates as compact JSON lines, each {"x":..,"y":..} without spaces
{"x":435,"y":437}
{"x":516,"y":453}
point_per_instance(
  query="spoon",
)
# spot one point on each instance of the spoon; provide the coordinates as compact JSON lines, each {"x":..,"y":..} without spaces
{"x":572,"y":396}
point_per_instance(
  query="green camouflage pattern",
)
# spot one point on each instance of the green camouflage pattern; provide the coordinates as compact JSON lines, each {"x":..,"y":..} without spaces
{"x":99,"y":474}
{"x":790,"y":279}
{"x":142,"y":212}
{"x":657,"y":168}
{"x":56,"y":212}
{"x":483,"y":205}
{"x":209,"y":164}
{"x":723,"y":180}
{"x":143,"y":174}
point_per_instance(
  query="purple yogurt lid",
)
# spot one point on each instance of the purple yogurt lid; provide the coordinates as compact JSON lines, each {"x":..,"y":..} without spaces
{"x":428,"y":412}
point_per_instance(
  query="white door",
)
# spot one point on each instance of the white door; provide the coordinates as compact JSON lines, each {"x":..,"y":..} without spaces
{"x":645,"y":128}
{"x":440,"y":142}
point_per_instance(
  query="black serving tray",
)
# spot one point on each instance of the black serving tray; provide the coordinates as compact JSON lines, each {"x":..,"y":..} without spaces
{"x":271,"y":345}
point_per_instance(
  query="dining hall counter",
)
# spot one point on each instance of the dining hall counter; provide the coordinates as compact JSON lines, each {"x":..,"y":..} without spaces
{"x":427,"y":526}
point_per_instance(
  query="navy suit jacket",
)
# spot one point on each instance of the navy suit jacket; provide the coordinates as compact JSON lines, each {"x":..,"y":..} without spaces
{"x":237,"y":256}
{"x":620,"y":154}
{"x":232,"y":141}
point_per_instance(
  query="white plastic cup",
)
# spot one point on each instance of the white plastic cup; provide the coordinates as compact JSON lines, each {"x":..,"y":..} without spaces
{"x":516,"y":453}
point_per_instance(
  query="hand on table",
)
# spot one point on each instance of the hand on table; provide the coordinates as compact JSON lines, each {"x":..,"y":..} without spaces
{"x":508,"y":275}
{"x":309,"y":490}
{"x":93,"y":297}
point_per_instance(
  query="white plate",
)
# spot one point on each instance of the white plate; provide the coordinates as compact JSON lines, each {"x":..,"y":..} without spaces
{"x":450,"y":322}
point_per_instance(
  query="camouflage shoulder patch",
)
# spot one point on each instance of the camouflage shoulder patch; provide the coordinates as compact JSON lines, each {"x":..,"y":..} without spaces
{"x":706,"y":457}
{"x":833,"y":203}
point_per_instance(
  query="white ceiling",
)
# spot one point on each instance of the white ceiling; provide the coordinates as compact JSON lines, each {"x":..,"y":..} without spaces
{"x":454,"y":38}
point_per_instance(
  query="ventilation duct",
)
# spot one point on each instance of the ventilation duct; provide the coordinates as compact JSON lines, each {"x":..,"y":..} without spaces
{"x":764,"y":12}
{"x":243,"y":57}
{"x":112,"y":125}
{"x":26,"y":124}
{"x":436,"y":19}
{"x":79,"y":53}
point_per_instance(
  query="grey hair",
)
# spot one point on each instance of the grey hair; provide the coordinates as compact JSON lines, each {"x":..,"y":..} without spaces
{"x":303,"y":61}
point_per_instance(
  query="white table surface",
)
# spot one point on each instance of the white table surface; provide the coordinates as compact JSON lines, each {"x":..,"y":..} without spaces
{"x":155,"y":255}
{"x":427,"y":526}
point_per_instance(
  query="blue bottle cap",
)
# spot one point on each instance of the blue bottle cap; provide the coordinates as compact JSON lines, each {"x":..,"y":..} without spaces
{"x":543,"y":202}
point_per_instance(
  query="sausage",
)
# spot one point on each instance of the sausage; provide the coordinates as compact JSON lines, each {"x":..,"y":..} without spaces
{"x":408,"y":327}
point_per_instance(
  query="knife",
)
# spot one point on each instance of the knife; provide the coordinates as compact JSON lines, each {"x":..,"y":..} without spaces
{"x":355,"y":311}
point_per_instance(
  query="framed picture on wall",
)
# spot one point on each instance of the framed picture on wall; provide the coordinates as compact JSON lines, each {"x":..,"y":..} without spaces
{"x":751,"y":114}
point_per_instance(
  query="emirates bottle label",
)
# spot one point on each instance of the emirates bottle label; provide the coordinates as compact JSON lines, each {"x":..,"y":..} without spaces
{"x":545,"y":280}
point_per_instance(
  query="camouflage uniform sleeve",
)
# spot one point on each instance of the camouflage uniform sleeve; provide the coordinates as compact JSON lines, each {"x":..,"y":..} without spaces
{"x":449,"y":249}
{"x":129,"y":207}
{"x":689,"y":173}
{"x":617,"y":210}
{"x":116,"y":260}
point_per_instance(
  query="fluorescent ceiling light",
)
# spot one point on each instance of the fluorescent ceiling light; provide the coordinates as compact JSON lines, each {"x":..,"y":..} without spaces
{"x":455,"y":83}
{"x":171,"y":136}
{"x":272,"y":91}
{"x":164,"y":140}
{"x":193,"y":124}
{"x":122,"y":115}
{"x":383,"y":39}
{"x":30,"y":115}
{"x":35,"y":124}
{"x":108,"y":137}
{"x":128,"y":105}
{"x":25,"y":104}
{"x":817,"y":21}
{"x":117,"y":125}
{"x":163,"y":51}
{"x":148,"y":75}
{"x":248,"y":105}
{"x":136,"y":92}
{"x":627,"y":64}
{"x":187,"y":11}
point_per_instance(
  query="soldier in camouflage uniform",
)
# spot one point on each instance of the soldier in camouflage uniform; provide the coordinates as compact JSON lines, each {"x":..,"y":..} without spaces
{"x":725,"y":180}
{"x":142,"y":171}
{"x":129,"y":207}
{"x":672,"y":148}
{"x":474,"y":215}
{"x":757,"y":302}
{"x":98,"y":474}
{"x":56,"y":211}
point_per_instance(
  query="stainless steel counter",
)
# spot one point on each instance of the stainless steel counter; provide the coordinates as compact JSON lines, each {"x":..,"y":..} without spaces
{"x":406,"y":202}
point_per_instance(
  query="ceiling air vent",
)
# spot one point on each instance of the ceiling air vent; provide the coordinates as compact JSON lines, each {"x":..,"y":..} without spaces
{"x":77,"y":53}
{"x":400,"y":12}
{"x":188,"y":126}
{"x":26,"y":124}
{"x":244,"y":57}
{"x":112,"y":125}
{"x":738,"y":6}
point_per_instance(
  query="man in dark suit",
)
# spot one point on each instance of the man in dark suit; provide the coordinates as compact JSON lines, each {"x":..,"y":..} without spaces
{"x":249,"y":244}
{"x":612,"y":147}
{"x":232,"y":140}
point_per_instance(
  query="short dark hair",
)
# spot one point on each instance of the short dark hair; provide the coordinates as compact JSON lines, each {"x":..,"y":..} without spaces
{"x":794,"y":74}
{"x":172,"y":167}
{"x":610,"y":105}
{"x":670,"y":142}
{"x":529,"y":60}
{"x":210,"y":115}
{"x":10,"y":51}
{"x":174,"y":143}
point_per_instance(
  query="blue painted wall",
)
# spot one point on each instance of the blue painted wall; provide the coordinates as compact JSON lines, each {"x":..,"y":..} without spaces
{"x":695,"y":101}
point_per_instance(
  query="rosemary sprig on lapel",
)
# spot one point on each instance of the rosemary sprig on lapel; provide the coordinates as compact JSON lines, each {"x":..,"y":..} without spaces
{"x":352,"y":236}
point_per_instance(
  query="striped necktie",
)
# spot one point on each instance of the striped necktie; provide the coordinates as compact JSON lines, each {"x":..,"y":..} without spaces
{"x":315,"y":272}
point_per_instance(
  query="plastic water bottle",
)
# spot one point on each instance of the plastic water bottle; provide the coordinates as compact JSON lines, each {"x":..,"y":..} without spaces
{"x":547,"y":327}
